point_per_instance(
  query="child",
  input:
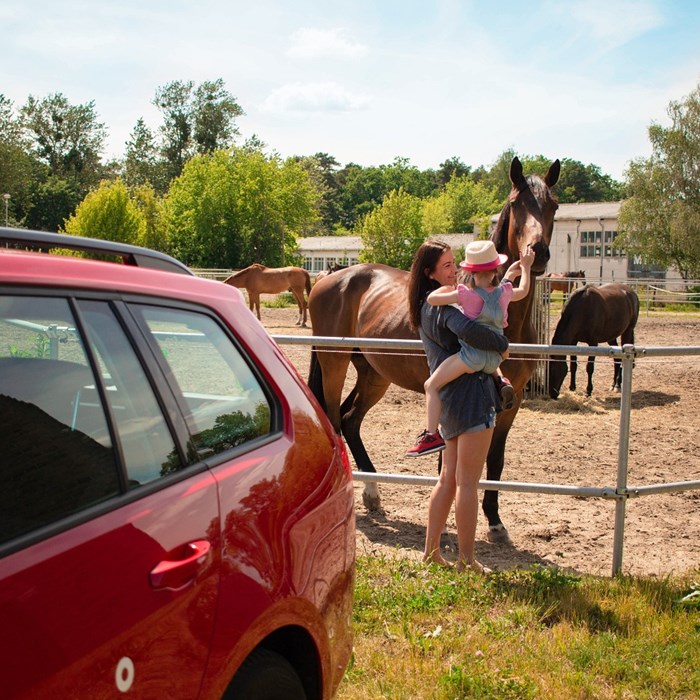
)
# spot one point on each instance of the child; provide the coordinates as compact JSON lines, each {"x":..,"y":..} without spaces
{"x":482,"y":300}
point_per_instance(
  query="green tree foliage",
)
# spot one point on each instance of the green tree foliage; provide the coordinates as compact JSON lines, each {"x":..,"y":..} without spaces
{"x":68,"y":138}
{"x":153,"y":234}
{"x":392,"y":231}
{"x":232,"y":208}
{"x":459,"y":206}
{"x":451,"y":168}
{"x":18,"y":169}
{"x":362,"y":189}
{"x":53,"y":198}
{"x":109,"y":214}
{"x":142,"y":164}
{"x":577,"y":182}
{"x":195,"y":121}
{"x":321,"y":169}
{"x":660,"y":220}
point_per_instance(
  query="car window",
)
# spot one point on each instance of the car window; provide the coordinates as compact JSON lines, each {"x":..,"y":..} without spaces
{"x":224,"y":402}
{"x":56,"y":455}
{"x":147,"y":446}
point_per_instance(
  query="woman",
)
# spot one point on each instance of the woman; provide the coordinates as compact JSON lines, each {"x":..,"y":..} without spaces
{"x":469,"y":404}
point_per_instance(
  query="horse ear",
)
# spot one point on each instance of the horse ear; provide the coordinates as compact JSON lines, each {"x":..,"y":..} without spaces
{"x":552,"y":176}
{"x":516,"y":172}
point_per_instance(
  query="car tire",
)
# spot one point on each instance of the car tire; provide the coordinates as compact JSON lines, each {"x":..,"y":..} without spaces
{"x":265,"y":675}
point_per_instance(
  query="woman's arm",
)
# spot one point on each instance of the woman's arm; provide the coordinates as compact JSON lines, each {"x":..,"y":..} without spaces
{"x":472,"y":332}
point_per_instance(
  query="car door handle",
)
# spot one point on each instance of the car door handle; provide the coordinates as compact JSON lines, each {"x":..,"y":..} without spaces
{"x":176,"y":572}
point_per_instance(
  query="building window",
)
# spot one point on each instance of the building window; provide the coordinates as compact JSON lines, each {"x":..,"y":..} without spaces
{"x":595,"y":242}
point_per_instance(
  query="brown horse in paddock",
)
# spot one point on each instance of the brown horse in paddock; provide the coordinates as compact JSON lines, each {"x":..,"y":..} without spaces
{"x":564,"y":282}
{"x":258,"y":279}
{"x":593,"y":315}
{"x":371,"y":301}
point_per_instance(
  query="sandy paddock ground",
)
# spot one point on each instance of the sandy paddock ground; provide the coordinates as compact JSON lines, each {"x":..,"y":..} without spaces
{"x":573,"y":440}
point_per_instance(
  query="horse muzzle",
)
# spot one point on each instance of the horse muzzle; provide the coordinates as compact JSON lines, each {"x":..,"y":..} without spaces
{"x":542,"y":255}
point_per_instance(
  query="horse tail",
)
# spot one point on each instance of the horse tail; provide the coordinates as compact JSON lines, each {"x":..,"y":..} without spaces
{"x":308,"y":283}
{"x":316,"y":379}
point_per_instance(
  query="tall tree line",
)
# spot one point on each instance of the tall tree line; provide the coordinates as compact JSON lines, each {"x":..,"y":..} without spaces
{"x":51,"y":159}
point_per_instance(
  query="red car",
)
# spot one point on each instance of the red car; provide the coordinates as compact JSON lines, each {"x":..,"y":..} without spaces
{"x":176,"y":512}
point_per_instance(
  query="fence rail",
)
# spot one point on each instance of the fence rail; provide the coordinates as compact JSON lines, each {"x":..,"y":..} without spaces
{"x":620,"y":492}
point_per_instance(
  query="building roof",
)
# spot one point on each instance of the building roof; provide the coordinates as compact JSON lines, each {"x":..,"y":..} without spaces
{"x":325,"y":243}
{"x":588,"y":210}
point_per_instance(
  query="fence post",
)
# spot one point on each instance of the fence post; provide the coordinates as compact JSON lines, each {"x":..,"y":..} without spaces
{"x":628,"y":355}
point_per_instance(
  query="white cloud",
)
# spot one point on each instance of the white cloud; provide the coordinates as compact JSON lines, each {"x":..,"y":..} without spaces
{"x":613,"y":23}
{"x":312,"y":43}
{"x":313,"y":97}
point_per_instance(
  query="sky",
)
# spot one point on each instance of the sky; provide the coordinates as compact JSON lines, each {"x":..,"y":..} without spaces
{"x":369,"y":81}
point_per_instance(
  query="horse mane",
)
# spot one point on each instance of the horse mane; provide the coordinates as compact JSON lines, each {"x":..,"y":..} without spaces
{"x":569,"y":313}
{"x":499,"y":237}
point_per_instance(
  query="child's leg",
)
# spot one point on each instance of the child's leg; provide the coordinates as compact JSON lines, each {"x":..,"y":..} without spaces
{"x":449,"y":370}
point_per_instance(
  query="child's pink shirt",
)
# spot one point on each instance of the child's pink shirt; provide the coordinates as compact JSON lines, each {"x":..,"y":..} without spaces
{"x":472,"y":303}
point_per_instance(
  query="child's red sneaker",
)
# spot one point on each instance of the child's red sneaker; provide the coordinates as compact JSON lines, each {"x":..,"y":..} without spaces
{"x":426,"y":444}
{"x":506,"y":392}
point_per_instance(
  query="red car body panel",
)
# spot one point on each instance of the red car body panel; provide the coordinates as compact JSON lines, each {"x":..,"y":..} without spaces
{"x":169,"y":590}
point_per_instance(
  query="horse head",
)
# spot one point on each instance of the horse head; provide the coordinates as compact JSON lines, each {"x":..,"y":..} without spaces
{"x":528,"y":216}
{"x":557,"y":372}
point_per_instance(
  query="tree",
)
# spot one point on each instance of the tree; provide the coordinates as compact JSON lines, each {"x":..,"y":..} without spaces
{"x":18,"y":169}
{"x":321,"y":169}
{"x":236,"y":207}
{"x":392,"y":232}
{"x":195,"y":121}
{"x":215,"y":111}
{"x":52,"y":200}
{"x":109,"y":214}
{"x":660,"y":220}
{"x":68,"y":138}
{"x":451,"y":168}
{"x":141,"y":162}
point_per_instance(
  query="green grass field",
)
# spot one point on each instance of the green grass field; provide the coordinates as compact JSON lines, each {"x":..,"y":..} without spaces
{"x":426,"y":632}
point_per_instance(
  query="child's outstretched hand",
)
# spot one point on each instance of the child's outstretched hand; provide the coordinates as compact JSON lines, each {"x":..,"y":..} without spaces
{"x":513,"y":271}
{"x":528,"y":257}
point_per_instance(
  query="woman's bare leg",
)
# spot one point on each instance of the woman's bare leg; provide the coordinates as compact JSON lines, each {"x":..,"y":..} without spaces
{"x":441,"y":499}
{"x":448,"y":371}
{"x":472,"y":449}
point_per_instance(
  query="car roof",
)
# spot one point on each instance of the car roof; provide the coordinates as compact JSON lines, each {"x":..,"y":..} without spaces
{"x":141,"y":271}
{"x":44,"y":241}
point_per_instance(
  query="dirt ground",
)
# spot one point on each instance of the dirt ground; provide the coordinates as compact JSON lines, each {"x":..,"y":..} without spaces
{"x":573,"y":440}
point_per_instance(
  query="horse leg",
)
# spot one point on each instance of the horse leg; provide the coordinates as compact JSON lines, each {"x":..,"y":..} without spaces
{"x":254,"y":302}
{"x":590,"y":366}
{"x":368,"y":390}
{"x":617,"y":369}
{"x":300,"y":304}
{"x":495,"y":460}
{"x":334,"y":368}
{"x":573,"y":365}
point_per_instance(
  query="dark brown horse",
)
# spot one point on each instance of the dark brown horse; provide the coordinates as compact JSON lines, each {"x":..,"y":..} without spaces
{"x":371,"y":301}
{"x":593,"y":315}
{"x":258,"y":279}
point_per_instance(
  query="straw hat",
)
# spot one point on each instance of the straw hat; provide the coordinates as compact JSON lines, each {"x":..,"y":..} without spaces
{"x":482,"y":255}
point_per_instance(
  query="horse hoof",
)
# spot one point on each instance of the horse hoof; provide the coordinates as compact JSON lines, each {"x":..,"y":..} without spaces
{"x":372,"y":503}
{"x":498,"y":534}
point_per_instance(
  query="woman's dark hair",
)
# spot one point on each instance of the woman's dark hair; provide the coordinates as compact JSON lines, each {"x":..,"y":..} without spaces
{"x":419,"y":284}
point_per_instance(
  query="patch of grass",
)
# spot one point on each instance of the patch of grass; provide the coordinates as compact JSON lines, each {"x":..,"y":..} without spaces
{"x":428,"y":632}
{"x":280,"y":301}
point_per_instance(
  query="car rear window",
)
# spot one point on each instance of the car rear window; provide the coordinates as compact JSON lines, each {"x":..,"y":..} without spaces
{"x":224,"y":402}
